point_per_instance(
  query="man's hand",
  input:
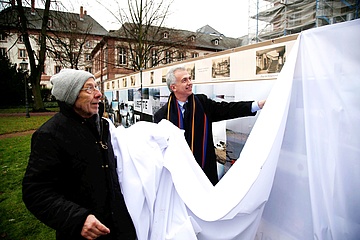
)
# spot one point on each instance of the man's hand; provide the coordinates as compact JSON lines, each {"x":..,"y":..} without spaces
{"x":261,"y":103}
{"x":93,"y":228}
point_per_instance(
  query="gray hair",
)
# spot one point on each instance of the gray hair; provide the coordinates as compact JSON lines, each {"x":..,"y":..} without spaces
{"x":170,"y":76}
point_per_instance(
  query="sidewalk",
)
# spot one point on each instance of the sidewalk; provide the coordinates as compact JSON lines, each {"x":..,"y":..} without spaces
{"x":24,"y":133}
{"x":31,"y":114}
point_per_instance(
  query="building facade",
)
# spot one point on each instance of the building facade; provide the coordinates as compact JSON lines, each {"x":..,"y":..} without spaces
{"x":70,"y":38}
{"x":117,"y":54}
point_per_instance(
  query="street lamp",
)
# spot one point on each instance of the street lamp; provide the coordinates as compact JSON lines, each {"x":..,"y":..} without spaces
{"x":24,"y":68}
{"x":141,"y":93}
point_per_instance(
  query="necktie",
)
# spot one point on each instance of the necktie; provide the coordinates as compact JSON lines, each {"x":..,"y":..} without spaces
{"x":184,"y":108}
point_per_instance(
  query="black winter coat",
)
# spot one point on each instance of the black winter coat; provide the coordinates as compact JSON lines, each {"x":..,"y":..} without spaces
{"x":215,"y":111}
{"x":72,"y":173}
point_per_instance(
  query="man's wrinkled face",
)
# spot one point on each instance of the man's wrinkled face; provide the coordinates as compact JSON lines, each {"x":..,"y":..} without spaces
{"x":87,"y":103}
{"x":183,"y":85}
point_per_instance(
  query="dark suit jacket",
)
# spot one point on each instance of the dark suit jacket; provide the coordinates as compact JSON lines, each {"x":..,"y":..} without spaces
{"x":215,"y":111}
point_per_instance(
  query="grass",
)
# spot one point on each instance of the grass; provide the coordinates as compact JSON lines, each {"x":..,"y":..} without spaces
{"x":16,"y":222}
{"x":13,"y":124}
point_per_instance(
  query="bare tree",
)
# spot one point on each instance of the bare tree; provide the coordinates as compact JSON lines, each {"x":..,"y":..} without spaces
{"x":66,"y":42}
{"x":63,"y":36}
{"x":143,"y":28}
{"x":36,"y":67}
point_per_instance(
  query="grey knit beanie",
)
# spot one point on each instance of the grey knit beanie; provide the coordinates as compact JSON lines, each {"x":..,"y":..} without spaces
{"x":67,"y":84}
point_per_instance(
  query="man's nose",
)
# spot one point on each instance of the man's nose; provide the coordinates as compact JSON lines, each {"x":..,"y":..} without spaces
{"x":98,"y":94}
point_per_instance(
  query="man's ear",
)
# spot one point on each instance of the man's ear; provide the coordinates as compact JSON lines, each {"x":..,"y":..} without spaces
{"x":172,"y":87}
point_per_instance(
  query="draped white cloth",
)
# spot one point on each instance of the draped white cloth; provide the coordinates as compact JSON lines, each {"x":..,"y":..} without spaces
{"x":307,"y":136}
{"x":315,"y":194}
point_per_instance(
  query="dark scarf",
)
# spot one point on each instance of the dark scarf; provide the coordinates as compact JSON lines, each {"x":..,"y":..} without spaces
{"x":194,"y":123}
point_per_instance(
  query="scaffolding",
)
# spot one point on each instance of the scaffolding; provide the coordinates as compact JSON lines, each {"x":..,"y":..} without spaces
{"x":275,"y":18}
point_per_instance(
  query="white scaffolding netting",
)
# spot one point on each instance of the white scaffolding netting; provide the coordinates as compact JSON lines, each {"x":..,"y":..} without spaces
{"x":275,"y":18}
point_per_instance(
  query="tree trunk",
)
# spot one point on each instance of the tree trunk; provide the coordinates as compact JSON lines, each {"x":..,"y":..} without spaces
{"x":35,"y":78}
{"x":35,"y":69}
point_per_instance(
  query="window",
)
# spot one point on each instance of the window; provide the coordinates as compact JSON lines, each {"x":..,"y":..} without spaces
{"x":59,"y":41}
{"x":154,"y":57}
{"x":192,"y":38}
{"x":3,"y":37}
{"x":137,"y":60}
{"x":73,"y":25}
{"x":87,"y":57}
{"x":88,"y":69}
{"x":39,"y":38}
{"x":3,"y":51}
{"x":57,"y":69}
{"x":166,"y":35}
{"x":50,"y":23}
{"x":57,"y":55}
{"x":181,"y":56}
{"x":122,"y":56}
{"x":21,"y":39}
{"x":88,"y":44}
{"x":168,"y":57}
{"x":105,"y":57}
{"x":216,"y":42}
{"x":22,"y":53}
{"x":151,"y":77}
{"x":194,"y":55}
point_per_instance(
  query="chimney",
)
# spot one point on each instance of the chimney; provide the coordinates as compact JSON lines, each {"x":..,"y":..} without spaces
{"x":32,"y":7}
{"x":81,"y":13}
{"x":85,"y":12}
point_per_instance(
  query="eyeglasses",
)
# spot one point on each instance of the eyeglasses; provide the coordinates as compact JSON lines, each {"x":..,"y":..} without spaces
{"x":90,"y":89}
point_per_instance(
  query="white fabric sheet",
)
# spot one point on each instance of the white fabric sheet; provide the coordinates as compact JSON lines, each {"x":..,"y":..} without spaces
{"x":307,"y":134}
{"x":315,"y":193}
{"x":167,"y":193}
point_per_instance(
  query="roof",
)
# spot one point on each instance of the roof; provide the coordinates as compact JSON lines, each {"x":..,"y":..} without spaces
{"x":8,"y":19}
{"x":209,"y":30}
{"x":177,"y":36}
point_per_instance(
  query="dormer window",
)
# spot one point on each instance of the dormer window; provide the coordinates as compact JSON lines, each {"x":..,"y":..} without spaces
{"x":215,"y":42}
{"x":192,"y":38}
{"x":50,"y":23}
{"x":73,"y":25}
{"x":165,"y":35}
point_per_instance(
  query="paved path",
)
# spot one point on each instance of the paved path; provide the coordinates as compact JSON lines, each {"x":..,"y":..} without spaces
{"x":16,"y":134}
{"x":31,"y":114}
{"x":19,"y":134}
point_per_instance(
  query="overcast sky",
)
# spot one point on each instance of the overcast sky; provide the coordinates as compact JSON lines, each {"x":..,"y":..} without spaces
{"x":229,"y":17}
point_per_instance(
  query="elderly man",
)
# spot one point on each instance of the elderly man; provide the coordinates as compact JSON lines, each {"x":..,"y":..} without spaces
{"x":71,"y":182}
{"x":200,"y":113}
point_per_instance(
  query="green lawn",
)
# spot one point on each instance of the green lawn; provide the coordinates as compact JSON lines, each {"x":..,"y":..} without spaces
{"x":20,"y":123}
{"x":16,"y":222}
